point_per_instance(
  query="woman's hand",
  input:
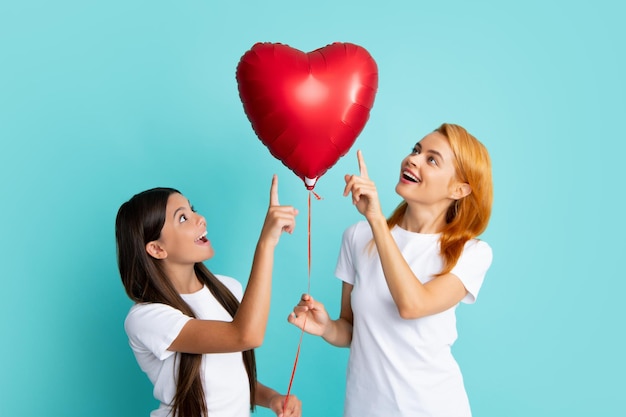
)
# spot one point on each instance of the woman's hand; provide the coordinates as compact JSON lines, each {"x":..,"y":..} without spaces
{"x":364,"y":194}
{"x":310,"y":315}
{"x":279,"y":218}
{"x":293,"y":407}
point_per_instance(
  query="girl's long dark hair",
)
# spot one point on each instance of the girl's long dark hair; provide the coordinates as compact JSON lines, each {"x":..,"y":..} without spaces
{"x":139,"y":221}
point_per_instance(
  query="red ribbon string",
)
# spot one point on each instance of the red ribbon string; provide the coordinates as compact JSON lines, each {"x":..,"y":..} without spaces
{"x":295,"y":363}
{"x":317,"y":197}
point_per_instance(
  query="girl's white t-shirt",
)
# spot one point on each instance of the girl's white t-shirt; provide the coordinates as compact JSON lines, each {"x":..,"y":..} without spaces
{"x":151,"y":329}
{"x":399,"y":367}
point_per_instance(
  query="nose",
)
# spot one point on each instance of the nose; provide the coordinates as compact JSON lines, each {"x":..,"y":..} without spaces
{"x":201,"y":220}
{"x":412,"y":160}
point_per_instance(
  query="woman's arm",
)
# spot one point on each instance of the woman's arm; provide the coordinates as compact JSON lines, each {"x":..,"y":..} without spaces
{"x":412,"y":298}
{"x":268,"y":398}
{"x":247,"y":329}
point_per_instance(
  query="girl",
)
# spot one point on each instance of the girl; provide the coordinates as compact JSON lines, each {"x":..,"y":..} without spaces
{"x":192,"y":332}
{"x":403,"y":278}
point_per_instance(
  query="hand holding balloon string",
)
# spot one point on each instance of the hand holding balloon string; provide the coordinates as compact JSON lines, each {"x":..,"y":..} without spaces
{"x":310,"y":314}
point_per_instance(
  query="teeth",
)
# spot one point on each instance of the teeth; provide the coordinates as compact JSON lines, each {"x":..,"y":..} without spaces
{"x":201,"y":236}
{"x":410,"y":176}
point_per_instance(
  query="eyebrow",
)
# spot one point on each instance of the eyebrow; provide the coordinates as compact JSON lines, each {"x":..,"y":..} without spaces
{"x":431,"y":151}
{"x":181,"y":208}
{"x":176,"y":211}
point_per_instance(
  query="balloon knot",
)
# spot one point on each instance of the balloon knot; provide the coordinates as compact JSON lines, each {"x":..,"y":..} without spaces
{"x":317,"y":197}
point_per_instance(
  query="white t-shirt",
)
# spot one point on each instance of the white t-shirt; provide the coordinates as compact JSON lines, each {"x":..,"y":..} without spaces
{"x":151,"y":329}
{"x":399,"y":367}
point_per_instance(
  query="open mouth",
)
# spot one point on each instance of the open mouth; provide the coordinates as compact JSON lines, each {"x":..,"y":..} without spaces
{"x":408,"y":175}
{"x":202,"y":238}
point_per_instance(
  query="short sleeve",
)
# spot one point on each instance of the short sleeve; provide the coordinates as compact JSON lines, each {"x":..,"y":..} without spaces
{"x":153,"y":327}
{"x":345,"y":269}
{"x":472,"y":267}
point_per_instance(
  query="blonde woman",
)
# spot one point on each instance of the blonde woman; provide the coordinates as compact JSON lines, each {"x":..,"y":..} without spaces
{"x":403,"y":278}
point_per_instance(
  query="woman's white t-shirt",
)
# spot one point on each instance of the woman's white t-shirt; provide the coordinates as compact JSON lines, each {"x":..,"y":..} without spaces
{"x":399,"y":367}
{"x":151,"y":329}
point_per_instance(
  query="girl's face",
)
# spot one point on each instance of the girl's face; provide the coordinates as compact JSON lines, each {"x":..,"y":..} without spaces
{"x":427,"y":175}
{"x":183,"y":237}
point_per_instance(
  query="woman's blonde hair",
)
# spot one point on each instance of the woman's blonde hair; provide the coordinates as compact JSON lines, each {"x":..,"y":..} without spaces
{"x":467,"y":217}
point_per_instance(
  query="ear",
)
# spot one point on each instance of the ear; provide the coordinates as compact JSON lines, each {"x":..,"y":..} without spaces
{"x":155,"y":250}
{"x":461,"y":189}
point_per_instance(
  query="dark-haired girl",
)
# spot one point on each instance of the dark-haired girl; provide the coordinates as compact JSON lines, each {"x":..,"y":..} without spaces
{"x":191,"y":331}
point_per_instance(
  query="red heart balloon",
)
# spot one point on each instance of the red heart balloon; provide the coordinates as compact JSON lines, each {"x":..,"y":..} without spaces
{"x":307,"y":108}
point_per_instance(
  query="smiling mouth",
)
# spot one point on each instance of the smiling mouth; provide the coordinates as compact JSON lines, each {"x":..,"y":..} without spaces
{"x":410,"y":177}
{"x":202,"y":238}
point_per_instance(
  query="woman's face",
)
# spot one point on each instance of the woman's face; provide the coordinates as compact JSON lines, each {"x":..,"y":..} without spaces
{"x":183,"y":237}
{"x":427,"y":175}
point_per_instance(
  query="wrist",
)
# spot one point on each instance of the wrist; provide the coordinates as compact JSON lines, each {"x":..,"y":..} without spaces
{"x":328,"y":331}
{"x":266,"y":244}
{"x":275,"y":402}
{"x":376,"y":220}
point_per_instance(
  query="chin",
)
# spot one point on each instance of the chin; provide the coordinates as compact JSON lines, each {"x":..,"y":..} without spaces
{"x":399,"y":189}
{"x":208,"y":255}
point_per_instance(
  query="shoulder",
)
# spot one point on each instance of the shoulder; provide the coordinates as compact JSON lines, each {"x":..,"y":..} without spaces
{"x":142,"y":309}
{"x":357,"y":230}
{"x":356,"y":236}
{"x":146,"y":315}
{"x":148,"y":310}
{"x":477,"y":257}
{"x":232,"y":284}
{"x":480,"y":248}
{"x":152,"y":327}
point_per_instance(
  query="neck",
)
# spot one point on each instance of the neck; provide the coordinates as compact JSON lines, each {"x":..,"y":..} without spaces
{"x":184,"y":278}
{"x":427,"y":220}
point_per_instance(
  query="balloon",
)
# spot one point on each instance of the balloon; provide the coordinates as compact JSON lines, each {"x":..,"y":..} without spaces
{"x":307,"y":108}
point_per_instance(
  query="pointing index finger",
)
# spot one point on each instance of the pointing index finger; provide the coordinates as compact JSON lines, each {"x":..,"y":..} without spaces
{"x":274,"y":191}
{"x":362,"y":166}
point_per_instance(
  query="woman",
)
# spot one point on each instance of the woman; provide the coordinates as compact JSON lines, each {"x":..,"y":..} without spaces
{"x":192,"y":332}
{"x":403,"y":278}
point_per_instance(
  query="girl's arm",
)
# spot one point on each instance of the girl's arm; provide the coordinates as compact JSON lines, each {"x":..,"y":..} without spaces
{"x":247,"y":329}
{"x":412,"y":298}
{"x":313,"y":317}
{"x":268,"y":398}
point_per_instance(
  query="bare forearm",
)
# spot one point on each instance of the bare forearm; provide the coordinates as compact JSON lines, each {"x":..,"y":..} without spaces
{"x":253,"y":313}
{"x":406,"y":290}
{"x":414,"y":299}
{"x":264,"y":395}
{"x":339,"y":333}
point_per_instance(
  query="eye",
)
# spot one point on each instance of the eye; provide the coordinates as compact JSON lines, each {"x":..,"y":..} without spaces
{"x":193,"y":209}
{"x":432,"y":160}
{"x":182,"y":218}
{"x":415,"y":150}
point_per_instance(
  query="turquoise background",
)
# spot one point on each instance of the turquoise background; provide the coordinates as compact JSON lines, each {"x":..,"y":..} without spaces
{"x":102,"y":99}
